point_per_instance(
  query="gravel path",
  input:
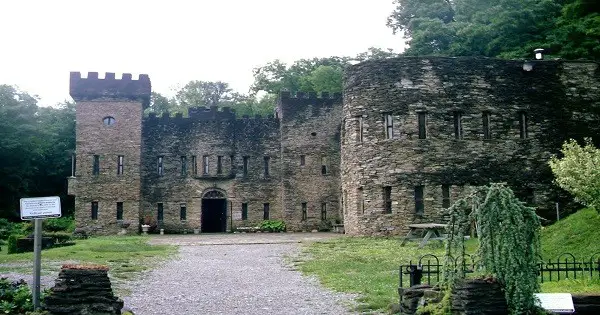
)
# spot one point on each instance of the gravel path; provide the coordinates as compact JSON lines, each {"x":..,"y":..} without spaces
{"x":232,"y":279}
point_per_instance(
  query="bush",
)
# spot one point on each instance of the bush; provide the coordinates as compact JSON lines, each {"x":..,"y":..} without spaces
{"x":15,"y":297}
{"x":63,"y":224}
{"x":11,"y":247}
{"x":578,"y":173}
{"x":7,"y":228}
{"x":324,"y":226}
{"x":272,"y":226}
{"x":59,"y":237}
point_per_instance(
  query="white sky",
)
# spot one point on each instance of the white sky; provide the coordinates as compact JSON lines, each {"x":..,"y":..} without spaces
{"x":176,"y":41}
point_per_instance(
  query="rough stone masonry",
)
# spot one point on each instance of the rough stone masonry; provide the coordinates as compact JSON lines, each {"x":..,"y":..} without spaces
{"x":408,"y":138}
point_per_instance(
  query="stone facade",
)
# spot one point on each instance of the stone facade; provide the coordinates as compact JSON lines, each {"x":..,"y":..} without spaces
{"x":412,"y":135}
{"x":438,"y":146}
{"x":209,"y":171}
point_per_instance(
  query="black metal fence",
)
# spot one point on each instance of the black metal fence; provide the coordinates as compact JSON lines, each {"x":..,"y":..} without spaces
{"x":429,"y":269}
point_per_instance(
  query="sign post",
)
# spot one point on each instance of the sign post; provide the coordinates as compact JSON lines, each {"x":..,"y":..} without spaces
{"x":37,"y":209}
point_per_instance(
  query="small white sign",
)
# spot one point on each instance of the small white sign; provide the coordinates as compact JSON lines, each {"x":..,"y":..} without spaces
{"x":39,"y":208}
{"x":560,"y":303}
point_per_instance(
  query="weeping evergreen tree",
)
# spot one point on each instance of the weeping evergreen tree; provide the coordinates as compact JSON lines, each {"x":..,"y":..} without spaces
{"x":509,"y":243}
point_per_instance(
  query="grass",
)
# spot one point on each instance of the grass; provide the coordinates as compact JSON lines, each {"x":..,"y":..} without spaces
{"x":577,"y":234}
{"x":126,"y":256}
{"x":369,"y":266}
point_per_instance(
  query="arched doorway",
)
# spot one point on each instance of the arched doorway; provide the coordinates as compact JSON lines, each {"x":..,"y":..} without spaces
{"x":214,"y":212}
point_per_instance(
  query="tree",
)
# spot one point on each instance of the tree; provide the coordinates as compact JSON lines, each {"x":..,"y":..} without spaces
{"x":578,"y":172}
{"x":509,"y":243}
{"x":35,"y":149}
{"x":160,"y":104}
{"x":498,"y":28}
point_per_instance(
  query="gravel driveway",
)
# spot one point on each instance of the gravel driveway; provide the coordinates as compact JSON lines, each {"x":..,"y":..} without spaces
{"x":233,"y":274}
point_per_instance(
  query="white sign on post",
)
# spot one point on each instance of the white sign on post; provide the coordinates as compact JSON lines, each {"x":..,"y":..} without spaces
{"x":40,"y":208}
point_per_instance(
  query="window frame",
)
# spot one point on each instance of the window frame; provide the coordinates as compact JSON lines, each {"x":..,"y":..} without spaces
{"x":244,"y":211}
{"x":219,"y":164}
{"x":304,"y":207}
{"x":446,"y":201}
{"x":205,"y":165}
{"x":120,"y":166}
{"x":267,"y":159}
{"x":96,"y":165}
{"x":160,"y":165}
{"x":458,"y":127}
{"x":94,"y":210}
{"x":387,"y":199}
{"x":422,"y":124}
{"x":119,"y":210}
{"x":523,"y":125}
{"x":388,"y":121}
{"x":160,"y":212}
{"x":182,"y":212}
{"x":486,"y":120}
{"x":266,"y":211}
{"x":420,"y":200}
{"x":323,"y":211}
{"x":183,"y":160}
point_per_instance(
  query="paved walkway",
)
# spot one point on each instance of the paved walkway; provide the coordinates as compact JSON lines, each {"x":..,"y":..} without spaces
{"x":248,"y":276}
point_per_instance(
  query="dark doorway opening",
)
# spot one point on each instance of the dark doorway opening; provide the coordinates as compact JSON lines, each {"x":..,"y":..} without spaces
{"x":214,"y":216}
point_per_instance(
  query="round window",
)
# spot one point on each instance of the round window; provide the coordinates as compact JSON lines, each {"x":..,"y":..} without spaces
{"x":109,"y":121}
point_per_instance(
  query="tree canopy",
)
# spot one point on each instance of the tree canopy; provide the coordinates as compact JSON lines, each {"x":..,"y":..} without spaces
{"x":499,"y":28}
{"x":35,"y":149}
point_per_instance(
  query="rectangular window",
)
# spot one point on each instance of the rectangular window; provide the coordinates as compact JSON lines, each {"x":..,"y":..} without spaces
{"x":266,"y":211}
{"x":120,"y":165}
{"x":458,"y":131}
{"x":159,"y":212}
{"x":445,"y":196}
{"x":94,"y":210}
{"x":245,"y":166}
{"x":244,"y":211}
{"x":324,"y":165}
{"x":194,"y":165}
{"x":360,"y":129}
{"x":205,"y":169}
{"x":486,"y":126}
{"x":183,"y":165}
{"x":232,"y":159}
{"x":387,"y":199}
{"x":422,"y":120}
{"x":119,"y":211}
{"x":73,"y":164}
{"x":182,"y":212}
{"x":323,"y":211}
{"x":389,"y":126}
{"x":160,"y":166}
{"x":220,"y":164}
{"x":523,"y":125}
{"x":360,"y":203}
{"x":267,"y":159}
{"x":302,"y":160}
{"x":96,"y":165}
{"x":419,"y":204}
{"x":304,"y":211}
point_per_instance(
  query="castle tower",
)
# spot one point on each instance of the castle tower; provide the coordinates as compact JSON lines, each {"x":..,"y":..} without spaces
{"x":106,"y":181}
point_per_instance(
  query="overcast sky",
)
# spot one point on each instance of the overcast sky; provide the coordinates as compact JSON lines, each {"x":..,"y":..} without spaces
{"x":176,"y":41}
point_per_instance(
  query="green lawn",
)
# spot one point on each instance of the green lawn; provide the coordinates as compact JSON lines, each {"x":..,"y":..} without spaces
{"x":369,"y":266}
{"x":126,"y":256}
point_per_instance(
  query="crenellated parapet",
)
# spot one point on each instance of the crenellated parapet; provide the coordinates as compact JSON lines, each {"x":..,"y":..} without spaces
{"x":212,"y":114}
{"x":288,"y":104}
{"x":94,"y":88}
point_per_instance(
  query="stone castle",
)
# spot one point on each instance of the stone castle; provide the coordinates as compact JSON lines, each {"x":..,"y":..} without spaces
{"x":408,"y":137}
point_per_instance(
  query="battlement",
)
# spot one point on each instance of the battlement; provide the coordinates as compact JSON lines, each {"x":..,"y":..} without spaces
{"x":205,"y":114}
{"x":92,"y":87}
{"x":310,"y":95}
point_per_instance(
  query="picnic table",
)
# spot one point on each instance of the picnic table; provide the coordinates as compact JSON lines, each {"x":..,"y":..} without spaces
{"x":425,"y":232}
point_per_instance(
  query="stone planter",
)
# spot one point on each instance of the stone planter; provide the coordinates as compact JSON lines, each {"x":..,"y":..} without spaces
{"x":196,"y":231}
{"x":479,"y":296}
{"x":145,"y":228}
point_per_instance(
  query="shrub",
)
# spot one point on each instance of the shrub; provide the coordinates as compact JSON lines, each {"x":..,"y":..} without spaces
{"x":578,"y":173}
{"x":80,"y":234}
{"x":324,"y":226}
{"x":11,"y":247}
{"x":63,"y":224}
{"x":272,"y":226}
{"x":15,"y":297}
{"x":59,"y":237}
{"x":7,"y":228}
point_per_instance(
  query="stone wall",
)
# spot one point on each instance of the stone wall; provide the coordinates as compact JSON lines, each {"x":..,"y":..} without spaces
{"x":560,"y":100}
{"x":310,"y":151}
{"x":98,"y":99}
{"x":82,"y":290}
{"x":210,"y":134}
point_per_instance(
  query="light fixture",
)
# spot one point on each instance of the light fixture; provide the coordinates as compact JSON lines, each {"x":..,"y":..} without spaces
{"x":539,"y":54}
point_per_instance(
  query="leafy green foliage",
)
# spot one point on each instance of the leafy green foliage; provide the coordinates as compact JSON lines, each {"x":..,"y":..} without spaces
{"x":498,"y":28}
{"x":509,"y":243}
{"x":272,"y":226}
{"x":15,"y":297}
{"x":11,"y":247}
{"x":35,"y":149}
{"x":578,"y":172}
{"x":7,"y":228}
{"x":62,"y":224}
